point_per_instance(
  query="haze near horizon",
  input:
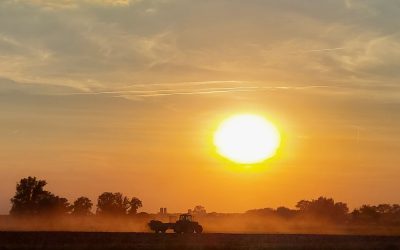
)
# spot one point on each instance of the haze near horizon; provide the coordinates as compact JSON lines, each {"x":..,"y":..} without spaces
{"x":125,"y":96}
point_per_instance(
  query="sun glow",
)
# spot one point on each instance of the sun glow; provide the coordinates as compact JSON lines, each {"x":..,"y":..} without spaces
{"x":247,"y":139}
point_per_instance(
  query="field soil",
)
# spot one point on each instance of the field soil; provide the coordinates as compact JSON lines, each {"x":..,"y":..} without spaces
{"x":107,"y":240}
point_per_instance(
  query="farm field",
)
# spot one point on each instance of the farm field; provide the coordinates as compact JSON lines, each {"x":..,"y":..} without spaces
{"x":107,"y":240}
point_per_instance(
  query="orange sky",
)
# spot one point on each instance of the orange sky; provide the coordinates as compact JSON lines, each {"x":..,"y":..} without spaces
{"x":125,"y":96}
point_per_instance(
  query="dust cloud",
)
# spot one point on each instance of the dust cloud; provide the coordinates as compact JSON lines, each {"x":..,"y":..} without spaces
{"x":212,"y":223}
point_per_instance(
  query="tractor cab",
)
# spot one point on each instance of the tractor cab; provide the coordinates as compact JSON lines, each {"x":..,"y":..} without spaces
{"x":186,"y":217}
{"x":185,"y":224}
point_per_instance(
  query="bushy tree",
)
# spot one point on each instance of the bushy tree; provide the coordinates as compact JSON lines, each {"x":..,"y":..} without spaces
{"x":285,"y":212}
{"x":134,"y":204}
{"x":199,"y":210}
{"x":31,"y":199}
{"x":261,"y":212}
{"x":27,"y":196}
{"x":112,"y":204}
{"x":384,"y":214}
{"x":325,"y":208}
{"x":51,"y":204}
{"x":117,"y":204}
{"x":82,"y":206}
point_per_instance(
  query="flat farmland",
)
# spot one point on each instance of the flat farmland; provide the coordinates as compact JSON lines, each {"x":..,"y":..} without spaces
{"x":108,"y":240}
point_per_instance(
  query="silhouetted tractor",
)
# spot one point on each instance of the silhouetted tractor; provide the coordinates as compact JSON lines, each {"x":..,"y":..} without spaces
{"x":185,"y":224}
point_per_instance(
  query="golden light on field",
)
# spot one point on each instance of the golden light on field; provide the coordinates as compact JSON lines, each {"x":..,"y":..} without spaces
{"x":247,"y":139}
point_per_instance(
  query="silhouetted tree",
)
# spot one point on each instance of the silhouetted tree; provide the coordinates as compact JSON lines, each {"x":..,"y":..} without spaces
{"x":396,"y":209}
{"x":27,"y":196}
{"x":324,"y":208}
{"x":31,"y":199}
{"x":384,"y":208}
{"x":303,"y":205}
{"x":384,"y":214}
{"x":82,"y":206}
{"x":134,"y":205}
{"x":112,"y":204}
{"x":285,"y":212}
{"x":261,"y":212}
{"x":366,"y":214}
{"x":51,"y":204}
{"x":199,"y":210}
{"x":394,"y":217}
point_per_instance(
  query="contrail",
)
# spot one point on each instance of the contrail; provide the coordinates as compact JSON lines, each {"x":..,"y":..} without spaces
{"x":195,"y":92}
{"x":188,"y":83}
{"x":228,"y":90}
{"x":202,"y":91}
{"x":321,"y":50}
{"x":158,"y":91}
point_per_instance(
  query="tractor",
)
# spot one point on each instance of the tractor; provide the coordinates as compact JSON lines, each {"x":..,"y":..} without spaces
{"x":185,"y":224}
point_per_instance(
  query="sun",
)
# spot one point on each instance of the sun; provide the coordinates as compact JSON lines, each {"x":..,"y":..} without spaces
{"x":247,"y":139}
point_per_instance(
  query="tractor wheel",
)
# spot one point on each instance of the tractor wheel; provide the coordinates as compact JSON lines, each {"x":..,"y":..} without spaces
{"x":189,"y":230}
{"x":177,"y":230}
{"x":199,"y":229}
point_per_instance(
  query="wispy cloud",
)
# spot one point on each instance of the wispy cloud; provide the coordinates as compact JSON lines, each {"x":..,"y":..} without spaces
{"x":189,"y":88}
{"x":57,"y":4}
{"x":189,"y":83}
{"x":99,"y":46}
{"x":322,"y":50}
{"x":228,"y":90}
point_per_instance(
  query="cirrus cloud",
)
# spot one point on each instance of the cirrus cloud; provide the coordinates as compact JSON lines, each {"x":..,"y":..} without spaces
{"x":54,"y":4}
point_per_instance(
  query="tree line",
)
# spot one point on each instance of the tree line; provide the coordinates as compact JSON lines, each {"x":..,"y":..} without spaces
{"x":328,"y":210}
{"x":32,"y":199}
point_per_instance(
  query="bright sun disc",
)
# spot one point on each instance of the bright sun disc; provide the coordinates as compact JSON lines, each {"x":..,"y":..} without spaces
{"x":247,"y":139}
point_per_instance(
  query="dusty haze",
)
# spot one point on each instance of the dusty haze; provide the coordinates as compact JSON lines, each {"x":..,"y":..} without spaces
{"x":221,"y":223}
{"x":124,"y":96}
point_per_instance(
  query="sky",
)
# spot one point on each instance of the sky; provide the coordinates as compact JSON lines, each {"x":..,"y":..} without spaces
{"x":125,"y":95}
